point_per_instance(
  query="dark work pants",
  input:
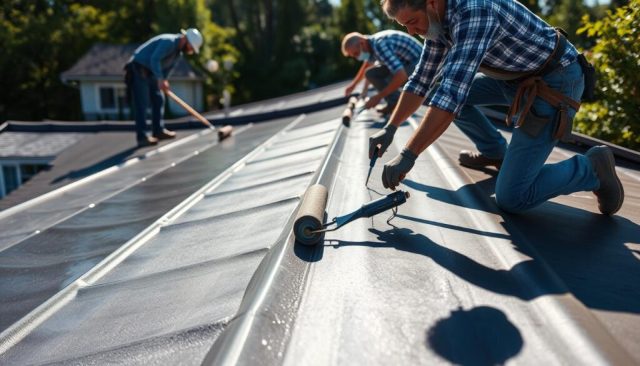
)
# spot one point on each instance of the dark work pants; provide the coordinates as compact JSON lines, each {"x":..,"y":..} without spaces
{"x":143,"y":87}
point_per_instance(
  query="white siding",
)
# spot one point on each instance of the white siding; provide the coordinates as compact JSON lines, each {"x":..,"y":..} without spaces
{"x":189,"y":91}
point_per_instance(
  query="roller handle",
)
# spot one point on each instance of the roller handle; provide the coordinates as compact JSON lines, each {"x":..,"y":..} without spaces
{"x":188,"y":108}
{"x":383,"y":204}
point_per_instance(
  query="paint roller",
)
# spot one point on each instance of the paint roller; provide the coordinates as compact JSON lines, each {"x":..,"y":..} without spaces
{"x":309,"y":225}
{"x":350,"y":112}
{"x":223,"y":132}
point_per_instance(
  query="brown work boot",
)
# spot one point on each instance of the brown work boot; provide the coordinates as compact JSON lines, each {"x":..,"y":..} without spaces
{"x":610,"y":194}
{"x":475,"y":160}
{"x":386,"y":109}
{"x":165,"y":135}
{"x":147,"y":141}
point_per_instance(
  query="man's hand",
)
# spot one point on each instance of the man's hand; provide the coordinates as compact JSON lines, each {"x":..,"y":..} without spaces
{"x":384,"y":137}
{"x":163,"y":85}
{"x":373,"y":101}
{"x":349,"y":90}
{"x":395,"y":170}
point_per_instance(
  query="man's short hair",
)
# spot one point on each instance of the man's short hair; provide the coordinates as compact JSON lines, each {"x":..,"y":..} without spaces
{"x":392,"y":6}
{"x":350,"y":40}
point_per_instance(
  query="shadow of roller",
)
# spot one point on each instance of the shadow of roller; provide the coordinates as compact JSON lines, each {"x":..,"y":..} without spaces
{"x":309,"y":228}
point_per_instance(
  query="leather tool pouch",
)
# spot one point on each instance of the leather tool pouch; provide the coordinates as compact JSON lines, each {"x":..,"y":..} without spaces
{"x":588,"y":95}
{"x":533,"y":124}
{"x":562,"y":124}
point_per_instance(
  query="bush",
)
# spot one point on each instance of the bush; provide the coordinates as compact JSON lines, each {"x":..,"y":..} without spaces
{"x":615,"y":117}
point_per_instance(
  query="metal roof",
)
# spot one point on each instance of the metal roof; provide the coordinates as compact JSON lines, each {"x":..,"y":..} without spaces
{"x":187,"y":255}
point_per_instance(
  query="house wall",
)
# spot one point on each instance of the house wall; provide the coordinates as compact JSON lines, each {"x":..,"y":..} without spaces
{"x":189,"y":90}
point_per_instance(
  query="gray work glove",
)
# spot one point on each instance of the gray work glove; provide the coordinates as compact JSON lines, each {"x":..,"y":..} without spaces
{"x":395,"y":170}
{"x":384,"y":137}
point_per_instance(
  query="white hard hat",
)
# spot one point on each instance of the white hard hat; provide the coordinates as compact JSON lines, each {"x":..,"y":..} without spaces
{"x":194,"y":38}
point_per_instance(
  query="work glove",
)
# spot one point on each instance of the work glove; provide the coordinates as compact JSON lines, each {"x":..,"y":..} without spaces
{"x":396,"y":169}
{"x":384,"y":137}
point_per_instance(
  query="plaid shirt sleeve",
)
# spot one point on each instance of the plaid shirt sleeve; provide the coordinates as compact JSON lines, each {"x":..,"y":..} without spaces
{"x":472,"y":34}
{"x":388,"y":58}
{"x":432,"y":54}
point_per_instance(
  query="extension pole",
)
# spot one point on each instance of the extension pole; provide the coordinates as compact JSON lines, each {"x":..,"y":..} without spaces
{"x":188,"y":108}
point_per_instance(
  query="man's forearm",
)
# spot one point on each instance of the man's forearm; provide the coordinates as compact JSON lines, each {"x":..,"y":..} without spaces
{"x":408,"y":104}
{"x":398,"y":80}
{"x":360,"y":75}
{"x":433,"y":125}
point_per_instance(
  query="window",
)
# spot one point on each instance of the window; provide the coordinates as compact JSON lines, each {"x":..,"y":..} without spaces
{"x":107,"y":98}
{"x":12,"y":175}
{"x":112,"y":98}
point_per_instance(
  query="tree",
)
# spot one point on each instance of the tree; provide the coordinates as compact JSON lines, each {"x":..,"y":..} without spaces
{"x":40,"y":39}
{"x":567,"y":15}
{"x":616,"y":56}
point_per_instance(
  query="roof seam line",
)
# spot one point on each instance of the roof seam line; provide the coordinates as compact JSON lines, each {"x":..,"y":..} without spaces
{"x":22,"y":206}
{"x":23,"y":327}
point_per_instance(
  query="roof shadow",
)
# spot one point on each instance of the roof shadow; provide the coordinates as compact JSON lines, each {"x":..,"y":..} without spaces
{"x":501,"y":281}
{"x":590,"y":252}
{"x":482,"y":335}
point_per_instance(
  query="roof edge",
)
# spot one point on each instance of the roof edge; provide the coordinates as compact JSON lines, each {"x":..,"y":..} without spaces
{"x":178,"y":124}
{"x":577,"y":138}
{"x":240,"y":342}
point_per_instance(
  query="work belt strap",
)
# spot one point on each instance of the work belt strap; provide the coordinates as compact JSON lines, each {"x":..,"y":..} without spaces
{"x":534,"y":86}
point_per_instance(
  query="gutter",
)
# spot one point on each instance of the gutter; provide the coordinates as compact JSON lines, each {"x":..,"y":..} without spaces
{"x":282,"y":273}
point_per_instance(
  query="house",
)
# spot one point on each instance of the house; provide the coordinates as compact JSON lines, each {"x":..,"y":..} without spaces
{"x":99,"y":75}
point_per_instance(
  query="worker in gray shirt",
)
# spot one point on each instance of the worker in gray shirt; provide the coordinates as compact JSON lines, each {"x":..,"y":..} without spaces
{"x":146,"y":78}
{"x":388,"y":59}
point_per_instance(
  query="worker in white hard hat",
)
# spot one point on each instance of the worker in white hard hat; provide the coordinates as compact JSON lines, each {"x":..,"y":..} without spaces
{"x":146,"y":77}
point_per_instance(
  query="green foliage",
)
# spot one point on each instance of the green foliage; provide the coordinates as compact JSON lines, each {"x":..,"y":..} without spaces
{"x":42,"y":38}
{"x":353,"y":18}
{"x":616,"y":56}
{"x":567,"y":15}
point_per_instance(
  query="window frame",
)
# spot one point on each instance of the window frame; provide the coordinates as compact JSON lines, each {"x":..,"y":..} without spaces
{"x":116,"y":87}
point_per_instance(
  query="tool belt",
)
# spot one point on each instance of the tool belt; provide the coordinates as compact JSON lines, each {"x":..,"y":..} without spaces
{"x":532,"y":85}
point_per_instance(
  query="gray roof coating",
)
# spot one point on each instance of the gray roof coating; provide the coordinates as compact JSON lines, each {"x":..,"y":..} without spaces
{"x":106,"y":61}
{"x":451,"y":279}
{"x":187,"y":255}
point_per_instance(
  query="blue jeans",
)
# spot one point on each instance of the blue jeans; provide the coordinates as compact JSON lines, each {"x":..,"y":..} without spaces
{"x":525,"y":181}
{"x":380,"y":76}
{"x":144,"y":87}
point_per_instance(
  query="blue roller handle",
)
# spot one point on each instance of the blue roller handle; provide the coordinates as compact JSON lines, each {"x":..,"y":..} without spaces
{"x":374,"y":207}
{"x":383,"y":203}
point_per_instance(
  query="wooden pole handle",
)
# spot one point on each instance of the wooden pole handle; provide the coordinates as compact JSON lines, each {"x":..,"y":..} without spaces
{"x":188,"y":108}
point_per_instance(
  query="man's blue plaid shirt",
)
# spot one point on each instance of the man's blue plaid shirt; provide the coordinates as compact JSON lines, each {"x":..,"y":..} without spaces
{"x":502,"y":34}
{"x":395,"y":49}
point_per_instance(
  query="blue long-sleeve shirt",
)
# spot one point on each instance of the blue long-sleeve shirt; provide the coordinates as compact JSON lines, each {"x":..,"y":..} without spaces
{"x":500,"y":33}
{"x":160,"y":54}
{"x":394,"y":49}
